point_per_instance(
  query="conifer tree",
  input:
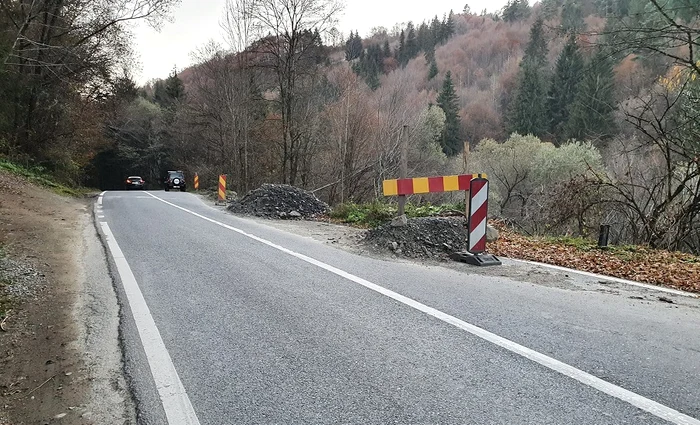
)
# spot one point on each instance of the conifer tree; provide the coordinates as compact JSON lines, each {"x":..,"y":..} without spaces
{"x":386,"y":51}
{"x":448,"y":26}
{"x":433,"y":71}
{"x":436,"y":31}
{"x":572,"y":17}
{"x":591,"y":116}
{"x":565,"y":82}
{"x":353,"y":47}
{"x":516,"y":10}
{"x":451,"y":140}
{"x":401,"y":52}
{"x":528,"y":111}
{"x":411,"y":43}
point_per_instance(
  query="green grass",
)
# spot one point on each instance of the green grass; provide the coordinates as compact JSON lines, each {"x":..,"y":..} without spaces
{"x":375,"y":213}
{"x":39,"y":176}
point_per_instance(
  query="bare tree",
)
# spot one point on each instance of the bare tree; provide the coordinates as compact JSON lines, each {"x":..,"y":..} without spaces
{"x":290,"y":34}
{"x":240,"y":28}
{"x":657,"y":180}
{"x":62,"y":49}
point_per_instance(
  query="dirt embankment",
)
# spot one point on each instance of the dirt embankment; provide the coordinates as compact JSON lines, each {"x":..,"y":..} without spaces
{"x":48,"y":348}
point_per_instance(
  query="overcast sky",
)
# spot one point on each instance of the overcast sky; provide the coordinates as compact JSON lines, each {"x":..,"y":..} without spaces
{"x":197,"y":21}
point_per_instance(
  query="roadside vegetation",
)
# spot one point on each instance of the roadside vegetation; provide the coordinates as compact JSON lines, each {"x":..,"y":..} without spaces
{"x":38,"y":175}
{"x":582,"y":112}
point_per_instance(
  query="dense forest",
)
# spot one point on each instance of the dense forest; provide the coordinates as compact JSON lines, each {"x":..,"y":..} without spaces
{"x":582,"y":112}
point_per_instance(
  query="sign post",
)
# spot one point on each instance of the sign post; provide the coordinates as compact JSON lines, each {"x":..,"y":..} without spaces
{"x":196,"y":181}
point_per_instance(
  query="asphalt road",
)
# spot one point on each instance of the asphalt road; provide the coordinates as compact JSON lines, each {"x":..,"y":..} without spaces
{"x":268,"y":327}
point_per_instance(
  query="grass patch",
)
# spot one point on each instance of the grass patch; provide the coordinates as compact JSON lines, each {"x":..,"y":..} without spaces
{"x":39,"y":176}
{"x":376,"y":213}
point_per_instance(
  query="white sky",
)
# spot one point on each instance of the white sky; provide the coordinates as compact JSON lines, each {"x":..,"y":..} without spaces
{"x":195,"y":22}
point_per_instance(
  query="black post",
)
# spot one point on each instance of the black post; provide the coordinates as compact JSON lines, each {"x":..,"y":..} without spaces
{"x":603,"y":235}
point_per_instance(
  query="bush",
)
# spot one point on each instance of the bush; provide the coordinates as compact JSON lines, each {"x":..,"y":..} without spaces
{"x":526,"y":174}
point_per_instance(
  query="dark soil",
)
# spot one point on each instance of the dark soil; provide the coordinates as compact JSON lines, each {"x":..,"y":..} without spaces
{"x":427,"y":237}
{"x":280,"y":201}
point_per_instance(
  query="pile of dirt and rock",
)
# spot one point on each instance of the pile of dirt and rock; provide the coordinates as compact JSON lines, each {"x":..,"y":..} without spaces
{"x":279,"y":201}
{"x":427,"y":237}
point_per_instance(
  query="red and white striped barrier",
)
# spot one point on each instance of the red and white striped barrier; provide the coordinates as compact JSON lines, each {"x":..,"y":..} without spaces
{"x":478,"y":208}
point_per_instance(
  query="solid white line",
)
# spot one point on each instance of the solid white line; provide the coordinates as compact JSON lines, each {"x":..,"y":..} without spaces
{"x":656,"y":409}
{"x":612,"y":279}
{"x":176,"y":403}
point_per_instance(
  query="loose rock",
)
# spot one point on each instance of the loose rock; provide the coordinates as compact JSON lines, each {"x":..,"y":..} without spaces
{"x":426,"y":237}
{"x":279,"y":201}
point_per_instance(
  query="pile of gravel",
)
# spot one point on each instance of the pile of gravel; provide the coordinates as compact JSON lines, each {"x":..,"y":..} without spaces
{"x":427,"y":237}
{"x":279,"y":201}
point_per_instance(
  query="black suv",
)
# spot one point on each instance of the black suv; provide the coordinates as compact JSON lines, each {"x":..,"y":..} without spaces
{"x":175,"y":180}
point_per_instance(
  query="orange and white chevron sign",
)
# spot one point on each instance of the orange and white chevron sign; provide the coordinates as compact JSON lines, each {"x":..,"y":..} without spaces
{"x":222,"y":187}
{"x":196,"y":181}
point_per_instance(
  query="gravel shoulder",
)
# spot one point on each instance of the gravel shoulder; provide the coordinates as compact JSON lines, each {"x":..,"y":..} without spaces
{"x":352,"y":239}
{"x":60,"y":357}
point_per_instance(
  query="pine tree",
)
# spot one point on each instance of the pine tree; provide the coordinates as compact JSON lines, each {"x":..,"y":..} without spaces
{"x":562,"y":92}
{"x":386,"y":51}
{"x":549,"y":8}
{"x":591,"y":116}
{"x":436,"y":31}
{"x":448,"y":26}
{"x":424,"y":38}
{"x":353,"y":47}
{"x":528,"y":111}
{"x":433,"y":71}
{"x":411,"y":43}
{"x":536,"y":49}
{"x":401,"y":52}
{"x":451,"y":140}
{"x":357,"y":43}
{"x":572,"y":17}
{"x":516,"y":10}
{"x":174,"y":87}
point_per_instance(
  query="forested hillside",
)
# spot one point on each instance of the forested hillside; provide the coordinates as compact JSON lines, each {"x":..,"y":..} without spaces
{"x":583,"y":112}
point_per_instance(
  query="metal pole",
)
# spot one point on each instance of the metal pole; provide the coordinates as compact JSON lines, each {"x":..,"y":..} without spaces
{"x":403,"y":170}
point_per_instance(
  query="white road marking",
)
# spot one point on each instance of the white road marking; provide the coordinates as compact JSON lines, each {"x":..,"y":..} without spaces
{"x":612,"y":279}
{"x":176,"y":403}
{"x":99,"y":198}
{"x":643,"y":403}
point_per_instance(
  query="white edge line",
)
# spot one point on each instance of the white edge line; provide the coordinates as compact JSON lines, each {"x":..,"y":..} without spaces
{"x":643,"y":403}
{"x":176,"y":404}
{"x":611,"y":278}
{"x":99,"y":198}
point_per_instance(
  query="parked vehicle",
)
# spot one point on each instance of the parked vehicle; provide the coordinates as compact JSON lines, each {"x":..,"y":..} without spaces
{"x":134,"y":182}
{"x":175,"y":180}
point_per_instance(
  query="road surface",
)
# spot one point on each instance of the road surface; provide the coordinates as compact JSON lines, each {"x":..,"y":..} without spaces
{"x":227,"y":320}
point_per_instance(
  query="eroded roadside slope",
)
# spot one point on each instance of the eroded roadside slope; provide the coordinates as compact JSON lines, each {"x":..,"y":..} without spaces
{"x":59,"y":355}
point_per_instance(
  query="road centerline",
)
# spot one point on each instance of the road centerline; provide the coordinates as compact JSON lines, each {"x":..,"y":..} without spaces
{"x":657,"y":409}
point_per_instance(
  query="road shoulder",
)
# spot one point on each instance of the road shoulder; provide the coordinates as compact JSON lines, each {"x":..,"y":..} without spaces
{"x":61,"y":359}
